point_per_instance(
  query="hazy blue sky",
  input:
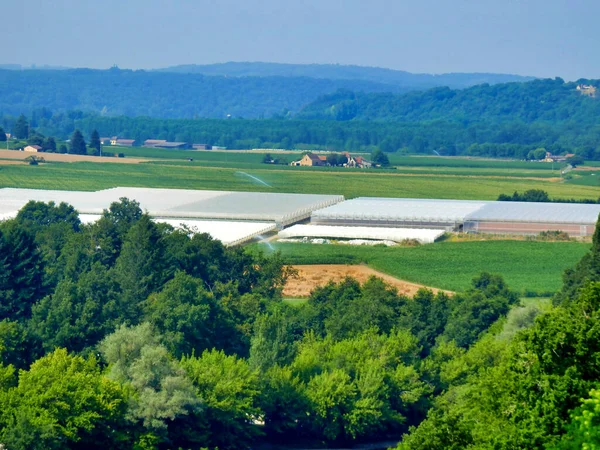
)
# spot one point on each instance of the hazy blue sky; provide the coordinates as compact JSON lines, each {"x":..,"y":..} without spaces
{"x":530,"y":37}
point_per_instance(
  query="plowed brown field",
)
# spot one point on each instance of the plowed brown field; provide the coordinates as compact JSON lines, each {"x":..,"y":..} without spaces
{"x":311,"y":276}
{"x":61,"y":157}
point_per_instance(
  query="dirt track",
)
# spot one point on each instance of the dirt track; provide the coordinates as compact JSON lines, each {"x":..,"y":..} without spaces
{"x":60,"y":157}
{"x":311,"y":276}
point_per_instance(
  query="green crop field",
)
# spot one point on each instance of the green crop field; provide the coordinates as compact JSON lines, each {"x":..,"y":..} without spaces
{"x":94,"y":176}
{"x":533,"y":267}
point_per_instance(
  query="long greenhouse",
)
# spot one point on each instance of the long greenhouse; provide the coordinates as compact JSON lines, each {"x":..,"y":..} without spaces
{"x":533,"y":218}
{"x":283,"y":209}
{"x":462,"y":215}
{"x":398,"y":212}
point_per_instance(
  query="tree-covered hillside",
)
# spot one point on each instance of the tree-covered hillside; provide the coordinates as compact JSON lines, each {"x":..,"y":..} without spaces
{"x":346,"y":72}
{"x":126,"y":334}
{"x":547,"y":100}
{"x":168,"y":95}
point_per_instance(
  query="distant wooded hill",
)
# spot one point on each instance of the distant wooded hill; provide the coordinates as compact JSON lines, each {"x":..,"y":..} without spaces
{"x":535,"y":101}
{"x":399,"y":78}
{"x":247,"y":90}
{"x":165,"y":95}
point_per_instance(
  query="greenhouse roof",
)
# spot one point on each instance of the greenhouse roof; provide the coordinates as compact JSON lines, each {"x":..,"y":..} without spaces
{"x":537,"y":212}
{"x":399,"y":209}
{"x":180,"y":203}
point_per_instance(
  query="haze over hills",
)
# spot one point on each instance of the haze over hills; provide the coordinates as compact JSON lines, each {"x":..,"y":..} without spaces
{"x":346,"y":72}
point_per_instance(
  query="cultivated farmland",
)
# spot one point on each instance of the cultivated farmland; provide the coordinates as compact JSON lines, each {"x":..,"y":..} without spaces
{"x":96,"y":176}
{"x":535,"y":267}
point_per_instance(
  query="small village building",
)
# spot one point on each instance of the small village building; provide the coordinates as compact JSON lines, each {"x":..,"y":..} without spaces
{"x":121,"y":142}
{"x":33,"y":148}
{"x":557,"y":158}
{"x":125,"y":142}
{"x":105,"y":140}
{"x":153,"y":142}
{"x":586,"y":89}
{"x":310,"y":159}
{"x":174,"y":145}
{"x":357,"y":161}
{"x":201,"y":146}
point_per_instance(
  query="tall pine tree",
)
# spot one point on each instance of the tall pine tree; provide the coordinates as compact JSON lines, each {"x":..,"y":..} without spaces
{"x":21,"y":128}
{"x":94,"y":145}
{"x":21,"y":273}
{"x":78,"y":146}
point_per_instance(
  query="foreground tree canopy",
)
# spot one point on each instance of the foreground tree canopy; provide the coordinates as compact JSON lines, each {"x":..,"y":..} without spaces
{"x":129,"y":334}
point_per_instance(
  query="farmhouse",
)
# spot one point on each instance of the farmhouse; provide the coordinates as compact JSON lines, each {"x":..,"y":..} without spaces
{"x":33,"y":148}
{"x":557,"y":158}
{"x":162,"y":143}
{"x":174,"y":145}
{"x":359,"y":161}
{"x":121,"y":142}
{"x":310,"y":159}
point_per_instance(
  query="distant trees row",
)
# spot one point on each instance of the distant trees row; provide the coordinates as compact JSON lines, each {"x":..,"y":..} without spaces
{"x":539,"y":195}
{"x":77,"y":145}
{"x":503,"y":140}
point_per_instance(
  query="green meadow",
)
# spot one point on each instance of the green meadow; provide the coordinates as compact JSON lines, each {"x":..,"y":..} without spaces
{"x":432,"y":184}
{"x":529,"y":267}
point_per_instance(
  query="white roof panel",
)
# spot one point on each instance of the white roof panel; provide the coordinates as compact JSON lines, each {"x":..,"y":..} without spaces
{"x":537,"y":212}
{"x":424,"y":236}
{"x":399,"y":209}
{"x":181,"y":203}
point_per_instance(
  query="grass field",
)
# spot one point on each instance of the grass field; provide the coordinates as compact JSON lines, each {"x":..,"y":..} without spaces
{"x":533,"y":267}
{"x":94,"y":176}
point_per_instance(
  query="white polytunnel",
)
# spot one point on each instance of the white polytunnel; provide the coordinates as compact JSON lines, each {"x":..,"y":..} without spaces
{"x":424,"y":236}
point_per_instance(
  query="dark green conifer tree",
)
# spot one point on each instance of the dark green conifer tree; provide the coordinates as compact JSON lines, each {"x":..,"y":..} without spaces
{"x":94,"y":145}
{"x":21,"y":128}
{"x":78,"y":146}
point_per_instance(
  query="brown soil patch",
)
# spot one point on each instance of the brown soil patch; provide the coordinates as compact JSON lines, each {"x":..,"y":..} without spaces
{"x":9,"y":162}
{"x":586,"y":169}
{"x":59,"y":157}
{"x":313,"y":275}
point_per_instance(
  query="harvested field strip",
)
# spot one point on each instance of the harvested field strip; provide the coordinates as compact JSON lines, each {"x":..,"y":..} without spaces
{"x":311,"y":276}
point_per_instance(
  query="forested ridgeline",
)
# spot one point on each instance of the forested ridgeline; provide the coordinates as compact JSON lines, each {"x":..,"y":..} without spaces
{"x":510,"y":120}
{"x":167,"y":95}
{"x":129,"y":334}
{"x":544,"y":100}
{"x":249,"y":90}
{"x":400,"y":78}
